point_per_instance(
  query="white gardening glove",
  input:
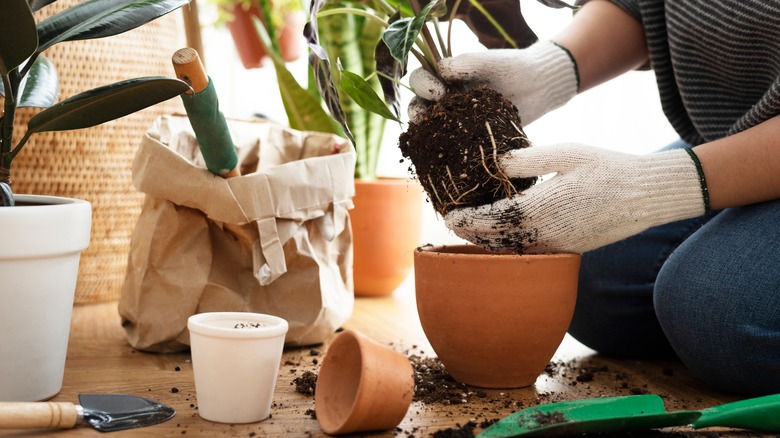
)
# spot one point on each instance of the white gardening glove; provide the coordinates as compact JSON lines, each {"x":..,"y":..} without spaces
{"x":595,"y":198}
{"x":537,"y":79}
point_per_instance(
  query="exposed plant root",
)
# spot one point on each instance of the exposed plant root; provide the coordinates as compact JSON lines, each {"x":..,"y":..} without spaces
{"x":455,"y":151}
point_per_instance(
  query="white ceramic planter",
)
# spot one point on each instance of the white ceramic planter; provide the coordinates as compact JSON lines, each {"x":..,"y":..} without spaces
{"x":40,"y":247}
{"x":235,"y":359}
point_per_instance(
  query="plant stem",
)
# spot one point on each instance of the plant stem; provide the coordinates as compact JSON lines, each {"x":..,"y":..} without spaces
{"x":426,"y":33}
{"x":354,"y":11}
{"x":7,"y":122}
{"x":449,"y":27}
{"x":493,"y":22}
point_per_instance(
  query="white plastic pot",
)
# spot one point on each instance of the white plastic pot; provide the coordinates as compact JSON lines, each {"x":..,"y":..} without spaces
{"x":235,"y":359}
{"x":41,"y":240}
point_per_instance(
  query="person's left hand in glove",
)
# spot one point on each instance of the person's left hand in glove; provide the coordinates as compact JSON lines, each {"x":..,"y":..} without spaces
{"x":596,"y":197}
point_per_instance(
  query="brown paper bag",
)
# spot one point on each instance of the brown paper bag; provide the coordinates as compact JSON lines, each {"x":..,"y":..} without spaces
{"x":275,"y":240}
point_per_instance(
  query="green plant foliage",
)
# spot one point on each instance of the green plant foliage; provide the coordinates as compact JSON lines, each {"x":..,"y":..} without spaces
{"x":106,"y":103}
{"x":30,"y":80}
{"x":364,"y":95}
{"x":402,"y":35}
{"x":101,"y":19}
{"x":40,"y":87}
{"x":18,"y":37}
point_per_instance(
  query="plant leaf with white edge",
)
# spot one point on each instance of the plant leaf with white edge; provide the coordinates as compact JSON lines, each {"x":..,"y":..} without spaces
{"x":18,"y":37}
{"x":100,"y":19}
{"x":389,"y":72}
{"x":41,"y":86}
{"x":364,"y":95}
{"x":106,"y":103}
{"x":401,"y":35}
{"x":318,"y":60}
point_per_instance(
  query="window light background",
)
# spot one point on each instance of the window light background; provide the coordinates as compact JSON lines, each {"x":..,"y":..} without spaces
{"x":624,"y":114}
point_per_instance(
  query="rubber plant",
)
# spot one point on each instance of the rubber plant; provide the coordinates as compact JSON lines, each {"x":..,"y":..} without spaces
{"x":403,"y":28}
{"x":29,"y":79}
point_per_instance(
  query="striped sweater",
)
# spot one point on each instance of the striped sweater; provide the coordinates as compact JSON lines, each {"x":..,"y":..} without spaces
{"x":717,"y":62}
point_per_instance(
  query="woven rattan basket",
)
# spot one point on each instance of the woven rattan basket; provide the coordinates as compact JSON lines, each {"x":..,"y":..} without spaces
{"x":94,"y":163}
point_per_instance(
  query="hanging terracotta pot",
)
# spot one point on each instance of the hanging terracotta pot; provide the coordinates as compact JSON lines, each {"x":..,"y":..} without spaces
{"x":494,"y":320}
{"x":362,"y":386}
{"x":248,"y":44}
{"x":386,"y":224}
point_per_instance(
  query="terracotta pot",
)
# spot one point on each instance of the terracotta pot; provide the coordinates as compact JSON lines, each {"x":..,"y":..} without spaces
{"x":362,"y":386}
{"x":248,"y":44}
{"x":386,"y":224}
{"x":494,"y":320}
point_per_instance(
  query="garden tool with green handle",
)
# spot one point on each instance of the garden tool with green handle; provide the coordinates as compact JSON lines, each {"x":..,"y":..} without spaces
{"x":208,"y":123}
{"x":640,"y":412}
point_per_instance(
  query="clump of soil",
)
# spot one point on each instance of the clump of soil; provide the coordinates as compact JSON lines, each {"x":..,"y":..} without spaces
{"x":433,"y":384}
{"x":455,"y":149}
{"x":306,"y":384}
{"x":549,"y":418}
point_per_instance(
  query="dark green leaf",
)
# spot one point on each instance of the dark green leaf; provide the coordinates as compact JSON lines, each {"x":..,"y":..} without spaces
{"x":361,"y":92}
{"x":100,"y":19}
{"x":106,"y":103}
{"x":390,"y":72}
{"x":39,"y":4}
{"x":557,"y":4}
{"x":18,"y":37}
{"x":339,"y":36}
{"x":401,"y":35}
{"x":506,"y":13}
{"x":318,"y":60}
{"x":41,"y":86}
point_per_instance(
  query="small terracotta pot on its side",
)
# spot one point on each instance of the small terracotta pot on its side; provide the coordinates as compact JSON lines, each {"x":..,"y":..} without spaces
{"x":494,"y":320}
{"x":362,"y":386}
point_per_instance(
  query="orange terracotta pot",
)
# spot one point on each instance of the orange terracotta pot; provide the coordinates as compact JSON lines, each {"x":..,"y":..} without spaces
{"x":386,"y":224}
{"x":248,"y":45}
{"x":494,"y":320}
{"x":362,"y":386}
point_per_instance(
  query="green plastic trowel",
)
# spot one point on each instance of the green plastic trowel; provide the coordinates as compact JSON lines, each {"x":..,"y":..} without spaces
{"x":630,"y":413}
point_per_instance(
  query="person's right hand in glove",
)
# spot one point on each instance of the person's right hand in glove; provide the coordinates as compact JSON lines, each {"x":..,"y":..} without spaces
{"x":596,"y":197}
{"x":537,"y":79}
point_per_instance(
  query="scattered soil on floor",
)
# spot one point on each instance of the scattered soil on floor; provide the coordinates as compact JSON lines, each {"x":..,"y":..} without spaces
{"x":455,"y":149}
{"x":306,"y":383}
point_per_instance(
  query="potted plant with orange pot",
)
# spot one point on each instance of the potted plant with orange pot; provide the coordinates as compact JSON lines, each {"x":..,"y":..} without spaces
{"x":43,"y":236}
{"x":386,"y":218}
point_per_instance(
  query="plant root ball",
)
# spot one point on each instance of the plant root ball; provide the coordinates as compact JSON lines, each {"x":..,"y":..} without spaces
{"x":456,"y":146}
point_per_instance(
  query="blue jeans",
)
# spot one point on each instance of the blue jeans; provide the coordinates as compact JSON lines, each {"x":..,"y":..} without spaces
{"x":706,"y":290}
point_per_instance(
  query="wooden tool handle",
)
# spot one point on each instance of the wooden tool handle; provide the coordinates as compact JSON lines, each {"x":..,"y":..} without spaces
{"x":38,"y":415}
{"x":189,"y":69}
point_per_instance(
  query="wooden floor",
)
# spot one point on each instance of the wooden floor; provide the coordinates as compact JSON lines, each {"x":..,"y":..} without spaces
{"x":101,"y":361}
